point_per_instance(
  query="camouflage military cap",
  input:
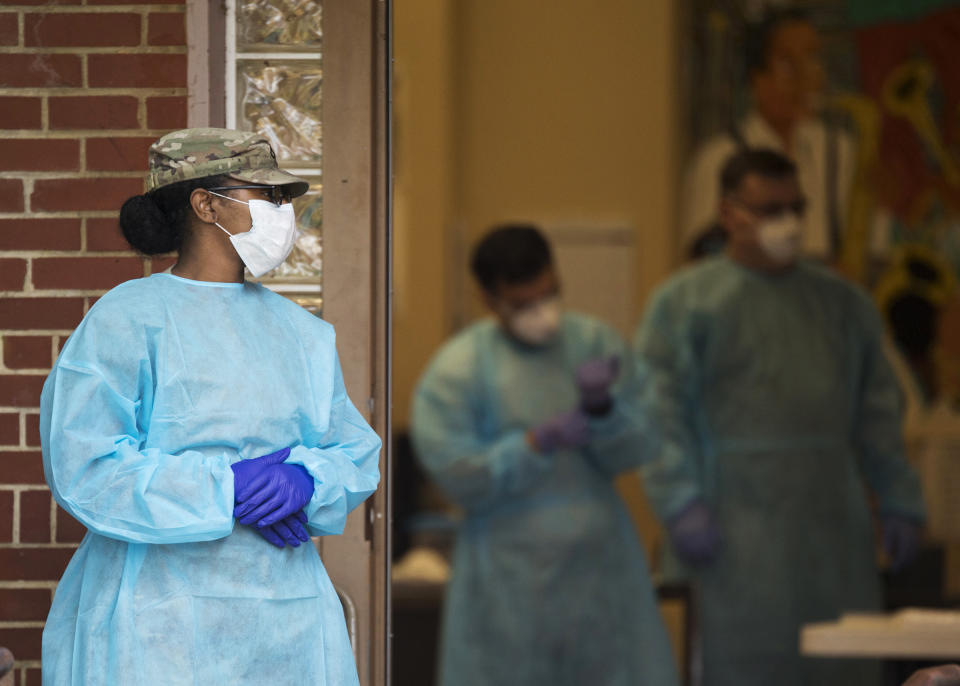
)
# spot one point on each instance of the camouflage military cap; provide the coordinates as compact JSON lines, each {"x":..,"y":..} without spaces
{"x":196,"y":153}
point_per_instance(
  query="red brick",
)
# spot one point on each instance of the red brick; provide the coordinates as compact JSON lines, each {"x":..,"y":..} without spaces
{"x":6,"y":516}
{"x":27,"y":352}
{"x":117,"y":154}
{"x":104,"y":235}
{"x":24,"y":604}
{"x":41,"y":313}
{"x":10,"y":29}
{"x":20,"y":390}
{"x":23,"y":643}
{"x":35,"y":517}
{"x":39,"y":154}
{"x":9,"y":428}
{"x":40,"y":564}
{"x":19,"y":112}
{"x":21,"y":467}
{"x":137,"y":71}
{"x":12,"y":273}
{"x":88,"y":273}
{"x":65,"y":195}
{"x":39,"y":234}
{"x":69,"y":530}
{"x":11,"y":195}
{"x":19,"y":70}
{"x":159,"y":264}
{"x":93,"y":112}
{"x":167,"y":113}
{"x":33,"y":430}
{"x":167,"y":28}
{"x":81,"y":30}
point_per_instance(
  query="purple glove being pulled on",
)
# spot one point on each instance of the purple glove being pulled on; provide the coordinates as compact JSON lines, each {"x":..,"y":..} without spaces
{"x":594,"y":379}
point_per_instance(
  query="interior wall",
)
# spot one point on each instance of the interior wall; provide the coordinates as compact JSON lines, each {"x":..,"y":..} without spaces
{"x":423,"y":190}
{"x":566,"y":115}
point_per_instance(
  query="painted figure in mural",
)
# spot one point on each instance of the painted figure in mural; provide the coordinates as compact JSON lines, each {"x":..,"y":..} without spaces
{"x":524,"y":419}
{"x":766,"y":379}
{"x":786,"y":82}
{"x":197,"y":425}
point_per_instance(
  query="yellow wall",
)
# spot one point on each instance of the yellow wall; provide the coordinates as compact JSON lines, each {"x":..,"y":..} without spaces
{"x":551,"y":112}
{"x":423,"y":187}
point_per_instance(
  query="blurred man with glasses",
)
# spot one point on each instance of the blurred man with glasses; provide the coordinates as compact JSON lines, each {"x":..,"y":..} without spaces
{"x":778,"y":416}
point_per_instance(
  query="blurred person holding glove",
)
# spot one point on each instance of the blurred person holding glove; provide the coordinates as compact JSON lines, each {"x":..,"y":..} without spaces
{"x":524,"y":419}
{"x":776,"y":409}
{"x":197,"y":424}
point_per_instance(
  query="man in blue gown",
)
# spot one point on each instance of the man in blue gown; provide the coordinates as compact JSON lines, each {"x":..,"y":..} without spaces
{"x":766,"y":379}
{"x":520,"y":421}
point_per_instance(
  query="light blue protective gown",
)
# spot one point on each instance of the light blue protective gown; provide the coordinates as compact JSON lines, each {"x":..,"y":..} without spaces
{"x":549,"y":583}
{"x":775,"y":404}
{"x":164,"y":384}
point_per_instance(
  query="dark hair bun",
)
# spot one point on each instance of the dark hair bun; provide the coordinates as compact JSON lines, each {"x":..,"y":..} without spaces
{"x":146,"y":227}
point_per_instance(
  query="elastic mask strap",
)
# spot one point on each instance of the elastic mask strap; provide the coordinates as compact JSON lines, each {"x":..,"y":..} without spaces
{"x":223,"y":229}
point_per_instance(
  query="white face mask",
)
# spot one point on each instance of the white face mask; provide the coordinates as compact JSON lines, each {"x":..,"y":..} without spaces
{"x":537,"y":324}
{"x":271,"y":236}
{"x":780,"y":237}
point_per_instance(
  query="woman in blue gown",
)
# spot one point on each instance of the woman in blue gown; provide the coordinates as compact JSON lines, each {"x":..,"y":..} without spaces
{"x":152,"y":420}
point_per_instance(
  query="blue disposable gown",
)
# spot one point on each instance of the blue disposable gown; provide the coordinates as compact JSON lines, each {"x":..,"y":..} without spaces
{"x":164,"y":384}
{"x":549,"y":583}
{"x":775,"y":403}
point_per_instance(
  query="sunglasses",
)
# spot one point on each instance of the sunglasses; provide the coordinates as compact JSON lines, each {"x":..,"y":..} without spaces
{"x":798,"y":207}
{"x":278,"y":195}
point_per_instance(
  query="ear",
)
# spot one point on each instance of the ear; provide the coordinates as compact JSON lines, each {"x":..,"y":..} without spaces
{"x":727,"y":214}
{"x":489,"y":300}
{"x":202,"y":203}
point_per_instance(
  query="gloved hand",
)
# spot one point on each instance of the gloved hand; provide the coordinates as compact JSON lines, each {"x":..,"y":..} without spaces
{"x":695,"y":534}
{"x":290,"y":531}
{"x":901,"y":540}
{"x":245,"y":471}
{"x":594,"y":378}
{"x":274,"y":494}
{"x":562,"y":431}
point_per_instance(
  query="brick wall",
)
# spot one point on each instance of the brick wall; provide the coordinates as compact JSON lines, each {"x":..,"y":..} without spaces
{"x":85,"y":86}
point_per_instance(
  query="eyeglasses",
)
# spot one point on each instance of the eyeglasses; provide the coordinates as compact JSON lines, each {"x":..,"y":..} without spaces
{"x":275,"y":194}
{"x":798,"y":207}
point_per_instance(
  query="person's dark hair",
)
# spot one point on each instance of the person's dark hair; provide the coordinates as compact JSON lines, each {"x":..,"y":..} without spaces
{"x":511,"y":253}
{"x":156,"y":222}
{"x":757,"y":36}
{"x":761,"y":161}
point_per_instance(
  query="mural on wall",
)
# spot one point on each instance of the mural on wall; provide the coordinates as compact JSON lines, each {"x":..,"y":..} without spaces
{"x":868,"y":94}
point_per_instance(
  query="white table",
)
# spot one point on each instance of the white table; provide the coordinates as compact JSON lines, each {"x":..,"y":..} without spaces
{"x":909,"y":633}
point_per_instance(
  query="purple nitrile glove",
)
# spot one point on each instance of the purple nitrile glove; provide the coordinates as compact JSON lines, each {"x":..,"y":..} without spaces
{"x":245,"y":471}
{"x":274,"y":494}
{"x":594,"y":379}
{"x":901,"y":540}
{"x":695,"y":534}
{"x":562,"y":431}
{"x":289,"y":531}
